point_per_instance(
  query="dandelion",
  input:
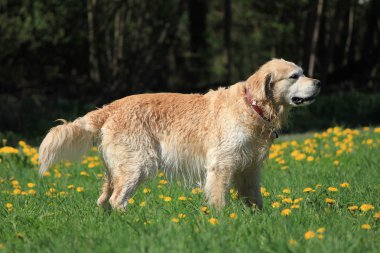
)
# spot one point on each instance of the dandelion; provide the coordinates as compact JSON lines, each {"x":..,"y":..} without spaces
{"x":167,"y":199}
{"x":182,"y":198}
{"x":286,"y":190}
{"x":84,"y":173}
{"x":175,"y":220}
{"x":233,"y":216}
{"x":366,"y":226}
{"x":292,"y":242}
{"x":297,"y":200}
{"x":276,"y":204}
{"x":295,"y":206}
{"x":146,"y":190}
{"x":320,"y":236}
{"x":46,"y":174}
{"x":182,"y":216}
{"x":332,"y":189}
{"x":32,"y":192}
{"x":287,"y":200}
{"x":321,"y":230}
{"x":366,"y":207}
{"x":284,"y":167}
{"x":310,"y":159}
{"x":336,"y":162}
{"x":377,"y":215}
{"x":161,"y":174}
{"x":71,"y":186}
{"x":344,"y":185}
{"x":353,"y":208}
{"x":143,"y":203}
{"x":131,"y":201}
{"x":308,"y":189}
{"x":31,"y":185}
{"x":161,"y":196}
{"x":9,"y":206}
{"x":196,"y":191}
{"x":329,"y":201}
{"x":99,"y":175}
{"x":80,"y":189}
{"x":286,"y":212}
{"x":16,"y":191}
{"x":213,"y":221}
{"x":266,"y":194}
{"x":205,"y":209}
{"x":163,"y":182}
{"x":309,"y":235}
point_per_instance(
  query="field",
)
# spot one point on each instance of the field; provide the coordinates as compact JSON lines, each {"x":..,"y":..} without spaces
{"x":321,"y":194}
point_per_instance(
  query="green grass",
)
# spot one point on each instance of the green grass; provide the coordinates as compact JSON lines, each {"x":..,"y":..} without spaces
{"x":72,"y":223}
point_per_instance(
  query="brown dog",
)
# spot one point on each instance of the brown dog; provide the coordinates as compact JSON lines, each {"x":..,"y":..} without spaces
{"x":222,"y":136}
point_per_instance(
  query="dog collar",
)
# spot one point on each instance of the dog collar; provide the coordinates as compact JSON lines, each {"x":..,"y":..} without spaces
{"x":253,"y":104}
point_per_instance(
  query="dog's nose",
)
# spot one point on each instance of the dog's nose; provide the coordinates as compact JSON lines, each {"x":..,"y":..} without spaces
{"x":317,"y":83}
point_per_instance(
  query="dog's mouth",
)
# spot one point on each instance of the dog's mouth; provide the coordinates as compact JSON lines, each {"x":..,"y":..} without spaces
{"x":300,"y":101}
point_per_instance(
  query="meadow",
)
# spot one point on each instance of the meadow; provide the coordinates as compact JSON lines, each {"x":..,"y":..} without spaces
{"x":321,"y":194}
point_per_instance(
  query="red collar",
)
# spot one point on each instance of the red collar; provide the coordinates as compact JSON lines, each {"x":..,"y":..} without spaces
{"x":253,"y":104}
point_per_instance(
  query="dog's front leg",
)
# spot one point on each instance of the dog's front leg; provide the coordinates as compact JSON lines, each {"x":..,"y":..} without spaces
{"x":217,"y":182}
{"x":248,"y":183}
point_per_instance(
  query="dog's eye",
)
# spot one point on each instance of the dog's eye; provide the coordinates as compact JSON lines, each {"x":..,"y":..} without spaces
{"x":294,"y":76}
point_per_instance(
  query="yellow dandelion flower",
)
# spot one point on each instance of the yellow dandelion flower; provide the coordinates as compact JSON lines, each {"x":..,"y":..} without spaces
{"x":147,"y":190}
{"x":182,"y":216}
{"x":286,"y":190}
{"x":71,"y":186}
{"x":336,"y":162}
{"x":310,"y":159}
{"x":284,"y":167}
{"x":162,"y":182}
{"x":318,"y":186}
{"x":233,"y":216}
{"x":80,"y":189}
{"x":182,"y":198}
{"x":297,"y":200}
{"x":353,"y":208}
{"x":46,"y":174}
{"x":276,"y":204}
{"x":14,"y":183}
{"x":344,"y":185}
{"x":213,"y":221}
{"x":167,"y":199}
{"x":321,"y":236}
{"x":143,"y":203}
{"x":31,"y":185}
{"x":309,"y":235}
{"x":263,"y":189}
{"x":308,"y":189}
{"x":377,"y":215}
{"x":9,"y":206}
{"x":161,"y":174}
{"x":84,"y":173}
{"x":16,"y":191}
{"x":62,"y":193}
{"x":287,"y":200}
{"x":321,"y":230}
{"x":91,"y":165}
{"x":286,"y":212}
{"x":175,"y":220}
{"x":332,"y":189}
{"x":329,"y":201}
{"x":377,"y":130}
{"x":366,"y":207}
{"x":196,"y":191}
{"x":266,"y":194}
{"x":292,"y":242}
{"x":161,"y":196}
{"x":205,"y":209}
{"x":32,"y":192}
{"x":366,"y":226}
{"x":131,"y":201}
{"x":295,"y":206}
{"x":99,"y":175}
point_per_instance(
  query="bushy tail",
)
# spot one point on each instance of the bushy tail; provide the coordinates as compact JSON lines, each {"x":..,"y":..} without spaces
{"x":70,"y":140}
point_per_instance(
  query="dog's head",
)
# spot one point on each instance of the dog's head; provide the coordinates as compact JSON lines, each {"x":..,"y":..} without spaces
{"x":283,"y":83}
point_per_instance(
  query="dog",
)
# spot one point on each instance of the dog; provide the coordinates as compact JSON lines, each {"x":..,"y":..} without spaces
{"x":221,"y":137}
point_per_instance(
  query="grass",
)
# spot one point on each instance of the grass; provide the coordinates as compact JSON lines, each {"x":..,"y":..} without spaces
{"x":61,"y":215}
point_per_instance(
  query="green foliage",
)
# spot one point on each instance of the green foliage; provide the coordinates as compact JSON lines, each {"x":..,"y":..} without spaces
{"x":49,"y":220}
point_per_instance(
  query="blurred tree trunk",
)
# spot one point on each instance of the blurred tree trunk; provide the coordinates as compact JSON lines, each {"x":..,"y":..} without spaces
{"x":312,"y":36}
{"x":92,"y":46}
{"x":227,"y":40}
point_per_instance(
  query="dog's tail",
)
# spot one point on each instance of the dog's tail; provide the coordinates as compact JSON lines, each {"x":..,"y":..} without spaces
{"x":71,"y":140}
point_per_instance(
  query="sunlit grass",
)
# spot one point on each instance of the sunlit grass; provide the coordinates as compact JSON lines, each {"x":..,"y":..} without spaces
{"x":321,"y":194}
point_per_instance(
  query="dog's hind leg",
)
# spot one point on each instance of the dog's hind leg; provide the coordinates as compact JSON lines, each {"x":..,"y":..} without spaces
{"x":107,"y":189}
{"x":217,"y":182}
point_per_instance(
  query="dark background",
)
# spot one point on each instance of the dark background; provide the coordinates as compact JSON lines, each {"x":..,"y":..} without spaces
{"x":59,"y":59}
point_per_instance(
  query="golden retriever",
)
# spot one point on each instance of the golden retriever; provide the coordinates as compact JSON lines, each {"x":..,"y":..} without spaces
{"x":220,"y":138}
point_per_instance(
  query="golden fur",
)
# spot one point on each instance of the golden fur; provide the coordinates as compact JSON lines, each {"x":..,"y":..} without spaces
{"x":215,"y":138}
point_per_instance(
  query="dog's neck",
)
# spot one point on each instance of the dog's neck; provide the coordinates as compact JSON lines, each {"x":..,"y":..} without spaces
{"x":275,"y":116}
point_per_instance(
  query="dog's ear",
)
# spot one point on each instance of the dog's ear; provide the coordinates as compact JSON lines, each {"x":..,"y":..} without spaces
{"x":259,"y":85}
